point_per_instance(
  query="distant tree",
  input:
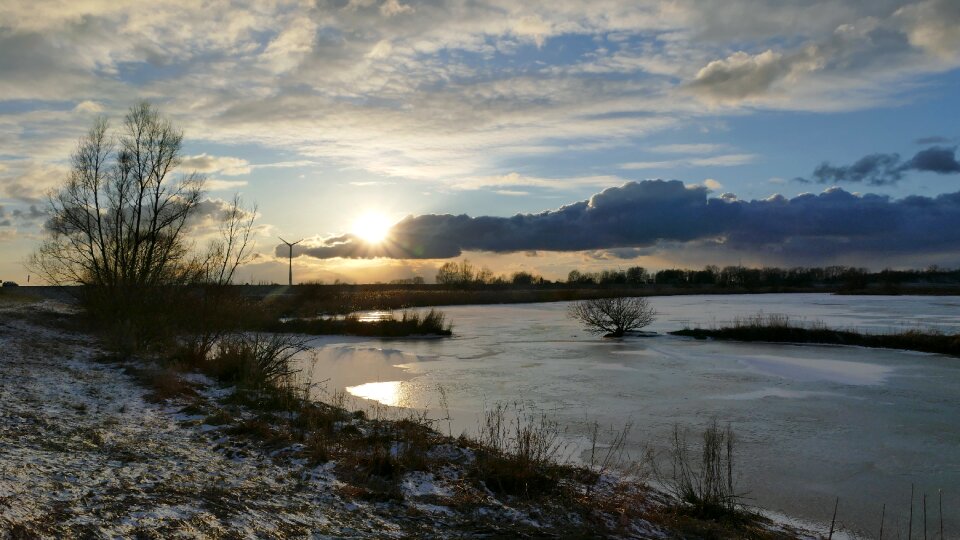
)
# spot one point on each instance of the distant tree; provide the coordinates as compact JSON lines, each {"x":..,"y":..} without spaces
{"x":637,"y":275}
{"x":671,"y":276}
{"x":613,"y":277}
{"x":613,"y":316}
{"x":581,"y":278}
{"x":415,"y":280}
{"x":524,"y":278}
{"x":484,"y":276}
{"x":453,"y":273}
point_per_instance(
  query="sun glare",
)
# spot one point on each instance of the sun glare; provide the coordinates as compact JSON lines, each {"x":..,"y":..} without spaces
{"x":372,"y":227}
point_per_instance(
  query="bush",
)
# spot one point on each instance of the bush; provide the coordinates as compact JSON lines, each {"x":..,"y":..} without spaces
{"x":613,"y":316}
{"x":255,"y":361}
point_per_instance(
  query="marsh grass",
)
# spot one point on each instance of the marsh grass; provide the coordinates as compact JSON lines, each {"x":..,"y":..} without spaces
{"x":520,"y":453}
{"x":779,"y":328}
{"x":704,"y":485}
{"x":432,"y":323}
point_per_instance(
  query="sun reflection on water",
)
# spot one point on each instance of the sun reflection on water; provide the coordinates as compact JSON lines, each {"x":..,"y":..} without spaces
{"x":390,"y":393}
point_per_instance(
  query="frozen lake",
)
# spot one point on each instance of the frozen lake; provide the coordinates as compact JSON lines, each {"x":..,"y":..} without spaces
{"x":813,"y":422}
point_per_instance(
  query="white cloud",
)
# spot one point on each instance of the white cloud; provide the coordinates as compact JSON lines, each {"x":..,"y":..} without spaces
{"x":723,"y":160}
{"x":712,"y":184}
{"x":702,"y":148}
{"x":205,"y":163}
{"x":932,"y":26}
{"x":88,"y":106}
{"x":515,"y":179}
{"x":29,"y":181}
{"x":397,"y":88}
{"x":726,"y":160}
{"x":216,"y":184}
{"x":389,"y":8}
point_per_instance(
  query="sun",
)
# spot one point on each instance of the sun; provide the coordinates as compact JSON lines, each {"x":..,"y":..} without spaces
{"x":372,"y":227}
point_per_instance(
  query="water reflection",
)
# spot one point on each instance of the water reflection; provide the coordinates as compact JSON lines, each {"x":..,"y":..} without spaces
{"x":390,"y":393}
{"x":373,"y":316}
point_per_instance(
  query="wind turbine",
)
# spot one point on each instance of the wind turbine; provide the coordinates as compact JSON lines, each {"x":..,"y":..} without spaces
{"x":289,"y":245}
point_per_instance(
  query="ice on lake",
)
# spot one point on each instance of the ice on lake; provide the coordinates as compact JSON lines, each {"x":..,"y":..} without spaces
{"x":813,"y":422}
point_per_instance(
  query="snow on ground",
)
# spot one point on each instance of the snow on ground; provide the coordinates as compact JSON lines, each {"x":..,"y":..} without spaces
{"x":83,"y":453}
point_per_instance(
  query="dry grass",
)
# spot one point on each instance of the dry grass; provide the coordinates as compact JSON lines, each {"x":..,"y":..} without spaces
{"x":164,"y":383}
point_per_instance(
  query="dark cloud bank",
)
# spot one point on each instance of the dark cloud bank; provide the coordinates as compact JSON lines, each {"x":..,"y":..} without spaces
{"x":884,"y":169}
{"x":806,"y":228}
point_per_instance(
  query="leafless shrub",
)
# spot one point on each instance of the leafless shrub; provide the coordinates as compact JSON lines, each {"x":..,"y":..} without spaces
{"x":521,"y":450}
{"x":706,"y":487}
{"x":257,"y":360}
{"x":613,"y":316}
{"x":609,"y":455}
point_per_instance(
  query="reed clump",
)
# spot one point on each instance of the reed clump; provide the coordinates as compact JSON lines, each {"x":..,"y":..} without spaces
{"x":780,"y":329}
{"x":409,"y":323}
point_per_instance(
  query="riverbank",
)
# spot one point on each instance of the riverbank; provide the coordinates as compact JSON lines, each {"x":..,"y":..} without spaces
{"x":98,"y":446}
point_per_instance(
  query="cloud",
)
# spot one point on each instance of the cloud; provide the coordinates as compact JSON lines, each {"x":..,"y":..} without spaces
{"x":88,"y":106}
{"x":212,"y":211}
{"x":886,"y":169}
{"x":932,"y":26}
{"x":389,"y":8}
{"x":724,"y":160}
{"x":28,"y":180}
{"x":29,"y":215}
{"x":205,"y":163}
{"x":933,"y":139}
{"x":702,"y":148}
{"x":837,"y":49}
{"x":216,"y":184}
{"x":740,"y":76}
{"x":515,"y":179}
{"x":712,"y":184}
{"x":654,"y":213}
{"x":453,"y":90}
{"x":940,"y":160}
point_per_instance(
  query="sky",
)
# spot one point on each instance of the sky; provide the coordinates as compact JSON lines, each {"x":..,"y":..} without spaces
{"x":534,"y":136}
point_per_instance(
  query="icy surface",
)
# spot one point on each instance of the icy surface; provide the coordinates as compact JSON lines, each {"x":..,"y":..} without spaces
{"x":814,"y":422}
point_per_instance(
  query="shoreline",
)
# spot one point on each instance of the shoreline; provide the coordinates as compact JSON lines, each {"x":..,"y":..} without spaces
{"x":185,"y":409}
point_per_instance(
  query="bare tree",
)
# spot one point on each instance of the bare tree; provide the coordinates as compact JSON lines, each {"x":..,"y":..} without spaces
{"x":119,"y":220}
{"x":613,"y":316}
{"x":235,"y":244}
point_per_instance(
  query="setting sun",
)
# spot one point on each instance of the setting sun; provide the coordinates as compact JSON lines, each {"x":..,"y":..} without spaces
{"x":372,"y":227}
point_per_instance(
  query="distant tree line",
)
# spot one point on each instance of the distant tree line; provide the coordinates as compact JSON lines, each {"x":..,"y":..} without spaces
{"x":465,"y":274}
